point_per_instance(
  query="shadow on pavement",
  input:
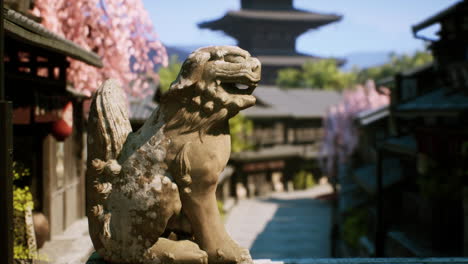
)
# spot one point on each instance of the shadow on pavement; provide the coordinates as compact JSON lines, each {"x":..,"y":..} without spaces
{"x":300,"y":228}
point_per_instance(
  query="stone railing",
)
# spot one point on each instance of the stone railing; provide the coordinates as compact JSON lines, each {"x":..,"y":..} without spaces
{"x":366,"y":261}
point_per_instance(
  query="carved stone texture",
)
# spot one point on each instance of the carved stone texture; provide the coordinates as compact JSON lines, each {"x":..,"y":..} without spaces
{"x":151,"y":193}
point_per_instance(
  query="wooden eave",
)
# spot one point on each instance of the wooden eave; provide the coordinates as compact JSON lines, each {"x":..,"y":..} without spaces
{"x":437,"y":17}
{"x":26,"y":30}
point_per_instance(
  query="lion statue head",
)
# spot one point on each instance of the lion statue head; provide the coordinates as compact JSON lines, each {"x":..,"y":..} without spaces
{"x":214,"y":83}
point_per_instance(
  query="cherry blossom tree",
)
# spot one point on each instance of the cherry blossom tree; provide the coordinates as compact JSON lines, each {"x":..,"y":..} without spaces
{"x":119,"y":31}
{"x":341,"y":133}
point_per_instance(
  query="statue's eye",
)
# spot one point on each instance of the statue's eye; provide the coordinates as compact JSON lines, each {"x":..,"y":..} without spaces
{"x":234,"y":58}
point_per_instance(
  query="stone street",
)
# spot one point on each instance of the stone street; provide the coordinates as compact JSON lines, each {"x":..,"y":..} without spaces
{"x":284,"y":226}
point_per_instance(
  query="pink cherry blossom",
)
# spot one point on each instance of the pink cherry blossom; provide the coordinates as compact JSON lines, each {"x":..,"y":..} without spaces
{"x":119,"y":31}
{"x":341,"y":132}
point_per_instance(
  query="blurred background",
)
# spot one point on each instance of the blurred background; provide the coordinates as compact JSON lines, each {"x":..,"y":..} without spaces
{"x":357,"y":146}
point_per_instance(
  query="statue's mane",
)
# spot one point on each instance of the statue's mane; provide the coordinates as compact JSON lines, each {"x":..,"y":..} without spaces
{"x":201,"y":103}
{"x":192,"y":117}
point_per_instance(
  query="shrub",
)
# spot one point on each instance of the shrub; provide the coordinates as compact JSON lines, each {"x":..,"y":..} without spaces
{"x":22,"y":209}
{"x":354,"y":226}
{"x":303,"y":180}
{"x":22,"y":204}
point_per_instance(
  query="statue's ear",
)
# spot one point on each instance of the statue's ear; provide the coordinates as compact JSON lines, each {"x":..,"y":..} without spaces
{"x":192,"y":70}
{"x":181,"y":82}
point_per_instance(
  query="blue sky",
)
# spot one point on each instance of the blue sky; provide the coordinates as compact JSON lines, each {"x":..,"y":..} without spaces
{"x":367,"y":25}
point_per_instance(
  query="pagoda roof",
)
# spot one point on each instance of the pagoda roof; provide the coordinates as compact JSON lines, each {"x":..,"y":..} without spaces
{"x":291,"y":61}
{"x":285,"y":60}
{"x":309,"y":19}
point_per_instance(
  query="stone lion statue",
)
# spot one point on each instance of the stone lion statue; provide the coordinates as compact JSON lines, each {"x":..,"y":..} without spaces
{"x":151,"y":193}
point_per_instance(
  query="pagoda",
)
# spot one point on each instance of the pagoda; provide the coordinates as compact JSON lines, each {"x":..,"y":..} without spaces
{"x":268,"y":29}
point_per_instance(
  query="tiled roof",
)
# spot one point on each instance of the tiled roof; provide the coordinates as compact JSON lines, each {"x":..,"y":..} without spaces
{"x":308,"y":19}
{"x":437,"y":101}
{"x":288,"y":15}
{"x":295,"y":103}
{"x":25,"y":29}
{"x":278,"y":60}
{"x":368,"y":116}
{"x":273,"y":102}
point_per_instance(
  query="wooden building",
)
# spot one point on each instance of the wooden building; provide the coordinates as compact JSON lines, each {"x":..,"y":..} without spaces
{"x":413,"y":188}
{"x":430,"y":104}
{"x":287,"y":136}
{"x":49,"y":136}
{"x":268,"y":30}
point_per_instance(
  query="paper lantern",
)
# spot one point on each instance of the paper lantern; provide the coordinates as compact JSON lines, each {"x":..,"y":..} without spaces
{"x":63,"y":128}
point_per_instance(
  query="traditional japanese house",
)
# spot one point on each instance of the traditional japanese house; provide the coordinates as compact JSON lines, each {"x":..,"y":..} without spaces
{"x":287,"y":133}
{"x":268,"y":30}
{"x":357,"y":214}
{"x":430,"y":104}
{"x":49,"y":136}
{"x":414,"y":191}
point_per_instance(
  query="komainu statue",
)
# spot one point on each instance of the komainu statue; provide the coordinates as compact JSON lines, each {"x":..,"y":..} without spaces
{"x":151,"y":193}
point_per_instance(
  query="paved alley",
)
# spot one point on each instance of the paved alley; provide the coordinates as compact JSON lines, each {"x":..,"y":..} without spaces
{"x":283,"y":226}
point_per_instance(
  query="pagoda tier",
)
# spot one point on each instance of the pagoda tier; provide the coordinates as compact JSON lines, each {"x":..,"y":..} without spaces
{"x":268,"y":29}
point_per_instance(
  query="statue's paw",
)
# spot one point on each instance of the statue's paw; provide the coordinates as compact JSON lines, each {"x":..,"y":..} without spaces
{"x":177,"y":252}
{"x":230,"y":252}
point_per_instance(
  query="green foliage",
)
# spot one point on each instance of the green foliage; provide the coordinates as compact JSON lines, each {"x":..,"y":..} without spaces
{"x":221,"y":208}
{"x":322,"y":74}
{"x":19,"y":171}
{"x":309,"y":181}
{"x":325,"y":74}
{"x":303,"y":180}
{"x":22,"y":201}
{"x":241,"y":128}
{"x":168,"y":74}
{"x":290,"y":78}
{"x":397,"y":63}
{"x":354,"y":226}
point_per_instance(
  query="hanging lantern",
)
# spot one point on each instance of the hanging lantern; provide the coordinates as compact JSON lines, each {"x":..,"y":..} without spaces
{"x":63,"y":128}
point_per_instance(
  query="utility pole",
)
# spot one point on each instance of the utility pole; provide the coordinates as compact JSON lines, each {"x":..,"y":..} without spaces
{"x":6,"y":152}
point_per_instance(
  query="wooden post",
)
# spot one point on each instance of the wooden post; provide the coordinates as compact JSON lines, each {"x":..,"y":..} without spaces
{"x":6,"y":151}
{"x":380,"y":231}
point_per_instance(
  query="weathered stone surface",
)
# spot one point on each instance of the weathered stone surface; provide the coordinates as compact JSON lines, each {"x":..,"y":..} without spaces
{"x":96,"y":260}
{"x":151,"y":193}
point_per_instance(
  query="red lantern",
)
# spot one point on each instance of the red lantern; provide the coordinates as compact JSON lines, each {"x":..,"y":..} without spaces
{"x":63,"y":128}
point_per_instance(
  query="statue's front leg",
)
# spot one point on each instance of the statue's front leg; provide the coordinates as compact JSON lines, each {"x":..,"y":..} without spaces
{"x":198,"y":196}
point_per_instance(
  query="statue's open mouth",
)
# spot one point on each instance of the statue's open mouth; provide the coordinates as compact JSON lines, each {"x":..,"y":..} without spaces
{"x":239,"y":88}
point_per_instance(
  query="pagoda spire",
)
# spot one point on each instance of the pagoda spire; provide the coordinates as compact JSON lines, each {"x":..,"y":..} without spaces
{"x":267,"y":4}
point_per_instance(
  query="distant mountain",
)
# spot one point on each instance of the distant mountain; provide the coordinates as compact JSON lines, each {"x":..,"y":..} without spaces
{"x":365,"y":59}
{"x":181,"y":52}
